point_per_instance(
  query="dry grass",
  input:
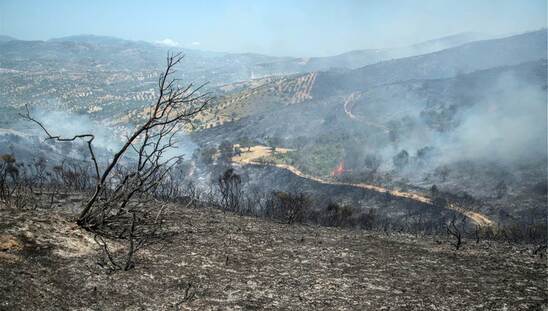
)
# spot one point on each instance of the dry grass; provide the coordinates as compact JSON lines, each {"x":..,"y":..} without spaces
{"x":254,"y":153}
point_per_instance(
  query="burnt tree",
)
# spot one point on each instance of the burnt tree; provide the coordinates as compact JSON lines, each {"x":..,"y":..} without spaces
{"x":125,"y":184}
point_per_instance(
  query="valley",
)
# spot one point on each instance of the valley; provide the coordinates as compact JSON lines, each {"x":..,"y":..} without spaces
{"x":368,"y":117}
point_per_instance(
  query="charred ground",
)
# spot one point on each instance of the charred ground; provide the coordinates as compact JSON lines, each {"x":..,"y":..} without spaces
{"x":220,"y":260}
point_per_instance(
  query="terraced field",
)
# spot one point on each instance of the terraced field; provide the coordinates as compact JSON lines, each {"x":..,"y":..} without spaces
{"x":262,"y":95}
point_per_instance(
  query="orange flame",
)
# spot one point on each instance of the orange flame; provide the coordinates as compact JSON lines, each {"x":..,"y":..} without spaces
{"x":339,"y":170}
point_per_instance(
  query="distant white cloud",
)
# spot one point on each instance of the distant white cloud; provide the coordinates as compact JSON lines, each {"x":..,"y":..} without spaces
{"x":195,"y":43}
{"x":168,"y":42}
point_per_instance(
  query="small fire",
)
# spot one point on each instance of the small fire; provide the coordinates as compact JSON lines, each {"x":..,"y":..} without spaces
{"x":339,"y":170}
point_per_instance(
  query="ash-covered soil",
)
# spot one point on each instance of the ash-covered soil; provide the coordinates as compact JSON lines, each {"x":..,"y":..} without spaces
{"x":243,"y":263}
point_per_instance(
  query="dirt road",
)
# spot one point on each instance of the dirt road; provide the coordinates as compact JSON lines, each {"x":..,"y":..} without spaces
{"x":348,"y":111}
{"x":254,"y":153}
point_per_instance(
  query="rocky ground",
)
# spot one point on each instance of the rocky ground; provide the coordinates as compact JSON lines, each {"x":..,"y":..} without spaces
{"x":221,"y":261}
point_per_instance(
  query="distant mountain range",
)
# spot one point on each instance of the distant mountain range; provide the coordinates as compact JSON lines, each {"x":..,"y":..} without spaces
{"x":6,"y":38}
{"x":360,"y":58}
{"x":450,"y":62}
{"x":89,"y":52}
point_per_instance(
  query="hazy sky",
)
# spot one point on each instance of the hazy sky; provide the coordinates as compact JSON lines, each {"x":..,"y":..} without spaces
{"x":277,"y":27}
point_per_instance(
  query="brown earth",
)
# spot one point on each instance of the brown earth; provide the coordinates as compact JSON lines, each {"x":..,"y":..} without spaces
{"x":244,"y":263}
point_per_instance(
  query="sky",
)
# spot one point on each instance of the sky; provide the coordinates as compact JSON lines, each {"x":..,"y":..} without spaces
{"x":274,"y":27}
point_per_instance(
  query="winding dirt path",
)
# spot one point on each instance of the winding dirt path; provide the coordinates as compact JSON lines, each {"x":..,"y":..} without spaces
{"x":348,"y":111}
{"x":254,"y":153}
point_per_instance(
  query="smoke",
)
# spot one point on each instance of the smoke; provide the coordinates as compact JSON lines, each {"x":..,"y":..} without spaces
{"x":507,"y":126}
{"x":184,"y":146}
{"x":107,"y":139}
{"x":67,"y":125}
{"x":503,"y":121}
